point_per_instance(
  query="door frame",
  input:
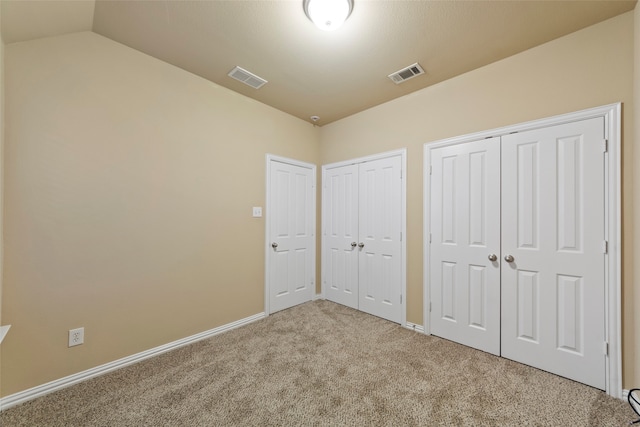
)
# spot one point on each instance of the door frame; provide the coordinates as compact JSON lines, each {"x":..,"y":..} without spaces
{"x":270,"y":158}
{"x":403,"y":216}
{"x":613,"y":223}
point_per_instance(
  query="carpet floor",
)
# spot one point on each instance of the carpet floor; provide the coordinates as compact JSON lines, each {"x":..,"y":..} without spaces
{"x":322,"y":364}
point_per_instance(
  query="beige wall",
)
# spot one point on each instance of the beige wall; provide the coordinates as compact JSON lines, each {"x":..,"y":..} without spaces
{"x":589,"y":68}
{"x":129,"y":187}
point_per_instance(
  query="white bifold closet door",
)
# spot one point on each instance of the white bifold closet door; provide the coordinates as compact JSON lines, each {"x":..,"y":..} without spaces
{"x":517,"y":264}
{"x":362,"y":236}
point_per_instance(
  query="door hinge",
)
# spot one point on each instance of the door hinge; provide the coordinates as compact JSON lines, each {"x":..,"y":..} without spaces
{"x":605,"y":247}
{"x":401,"y":173}
{"x":429,"y":307}
{"x":400,"y":298}
{"x":605,"y":145}
{"x":401,"y":236}
{"x":606,"y":348}
{"x":430,"y":169}
{"x":429,"y":237}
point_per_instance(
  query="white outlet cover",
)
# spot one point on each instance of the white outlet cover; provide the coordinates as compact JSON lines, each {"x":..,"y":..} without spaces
{"x":76,"y":336}
{"x":257,"y":211}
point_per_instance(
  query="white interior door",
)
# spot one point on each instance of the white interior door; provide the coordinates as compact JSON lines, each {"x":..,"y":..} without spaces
{"x":464,"y":263}
{"x":291,"y":222}
{"x":553,"y":227}
{"x":379,"y":246}
{"x":340,"y":206}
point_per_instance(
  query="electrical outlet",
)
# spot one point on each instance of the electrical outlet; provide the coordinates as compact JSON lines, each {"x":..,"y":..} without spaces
{"x":76,"y":336}
{"x":257,"y":211}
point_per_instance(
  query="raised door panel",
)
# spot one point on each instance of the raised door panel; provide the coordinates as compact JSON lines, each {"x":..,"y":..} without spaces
{"x":528,"y":306}
{"x":478,"y":308}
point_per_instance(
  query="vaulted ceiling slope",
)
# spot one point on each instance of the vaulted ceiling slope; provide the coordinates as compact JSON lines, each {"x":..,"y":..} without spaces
{"x":309,"y":71}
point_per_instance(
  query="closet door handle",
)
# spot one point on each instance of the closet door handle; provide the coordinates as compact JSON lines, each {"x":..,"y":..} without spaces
{"x":509,"y":258}
{"x":493,"y":257}
{"x":354,"y":244}
{"x":274,"y":245}
{"x":361,"y":245}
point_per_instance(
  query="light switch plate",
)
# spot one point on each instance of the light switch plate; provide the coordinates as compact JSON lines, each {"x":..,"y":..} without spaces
{"x":257,"y":211}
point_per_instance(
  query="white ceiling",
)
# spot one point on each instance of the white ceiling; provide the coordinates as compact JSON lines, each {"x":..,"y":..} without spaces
{"x":312,"y":72}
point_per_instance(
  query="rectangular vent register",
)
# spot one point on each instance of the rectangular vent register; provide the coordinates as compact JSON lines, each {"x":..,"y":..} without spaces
{"x":247,"y":78}
{"x":406,"y":73}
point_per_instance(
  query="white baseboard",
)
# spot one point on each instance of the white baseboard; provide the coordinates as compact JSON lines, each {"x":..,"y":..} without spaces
{"x":38,"y":391}
{"x":414,"y":327}
{"x":317,"y":296}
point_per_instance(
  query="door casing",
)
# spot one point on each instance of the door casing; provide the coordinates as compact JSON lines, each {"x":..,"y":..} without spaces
{"x":613,"y":223}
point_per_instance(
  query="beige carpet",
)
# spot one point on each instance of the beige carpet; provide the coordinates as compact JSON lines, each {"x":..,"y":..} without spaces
{"x":323,"y":364}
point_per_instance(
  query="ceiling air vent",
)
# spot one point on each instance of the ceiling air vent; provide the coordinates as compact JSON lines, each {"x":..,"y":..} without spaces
{"x":406,"y":73}
{"x":247,"y":78}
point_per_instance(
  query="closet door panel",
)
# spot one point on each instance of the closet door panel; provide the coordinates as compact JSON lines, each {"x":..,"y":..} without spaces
{"x":465,"y":227}
{"x":553,"y":226}
{"x":380,"y":227}
{"x":340,"y":206}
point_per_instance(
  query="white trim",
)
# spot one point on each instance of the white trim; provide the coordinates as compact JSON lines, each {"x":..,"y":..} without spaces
{"x":414,"y":327}
{"x":612,"y":116}
{"x":318,"y":296}
{"x":403,"y":247}
{"x":378,"y":156}
{"x":3,"y":332}
{"x":267,"y":241}
{"x":38,"y":391}
{"x":613,"y":316}
{"x":426,"y":230}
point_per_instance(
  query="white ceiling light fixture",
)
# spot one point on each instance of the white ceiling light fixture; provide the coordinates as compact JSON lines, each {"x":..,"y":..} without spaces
{"x":328,"y":15}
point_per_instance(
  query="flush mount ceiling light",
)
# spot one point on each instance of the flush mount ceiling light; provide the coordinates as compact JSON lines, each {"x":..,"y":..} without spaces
{"x":328,"y":15}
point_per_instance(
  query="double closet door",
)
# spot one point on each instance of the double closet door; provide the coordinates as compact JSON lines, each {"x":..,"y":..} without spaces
{"x":362,"y":232}
{"x":517,"y":247}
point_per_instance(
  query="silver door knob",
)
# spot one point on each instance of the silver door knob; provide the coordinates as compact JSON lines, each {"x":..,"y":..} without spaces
{"x":361,"y":245}
{"x":493,"y":257}
{"x":274,"y":245}
{"x":354,"y":244}
{"x":508,"y":258}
